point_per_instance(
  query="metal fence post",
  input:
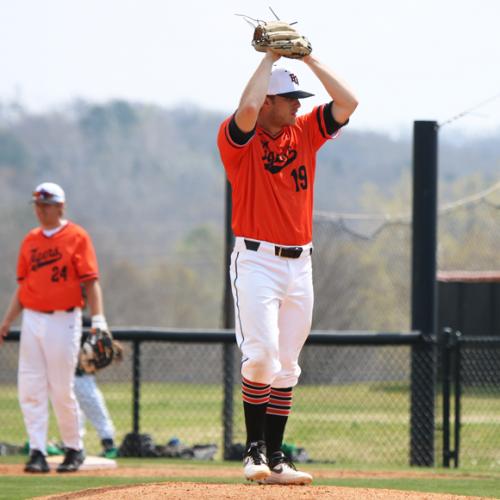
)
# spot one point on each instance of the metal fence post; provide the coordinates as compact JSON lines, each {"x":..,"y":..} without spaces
{"x":136,"y":385}
{"x":228,"y":321}
{"x":228,"y":407}
{"x":458,"y":391}
{"x":446,"y":381}
{"x":423,"y":304}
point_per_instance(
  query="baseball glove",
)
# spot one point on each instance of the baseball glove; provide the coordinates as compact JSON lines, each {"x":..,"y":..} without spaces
{"x":282,"y":38}
{"x":98,"y":350}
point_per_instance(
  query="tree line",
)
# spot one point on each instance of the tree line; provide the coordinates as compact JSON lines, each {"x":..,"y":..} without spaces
{"x":148,"y":185}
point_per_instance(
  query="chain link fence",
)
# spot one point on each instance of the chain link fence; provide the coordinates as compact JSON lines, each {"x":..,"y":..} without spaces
{"x":352,"y":408}
{"x":479,"y":401}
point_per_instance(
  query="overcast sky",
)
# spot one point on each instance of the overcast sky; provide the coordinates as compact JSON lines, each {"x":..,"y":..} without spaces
{"x":406,"y":59}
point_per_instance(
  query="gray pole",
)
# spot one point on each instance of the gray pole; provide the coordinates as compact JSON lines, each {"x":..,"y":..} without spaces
{"x":228,"y":315}
{"x":423,"y":299}
{"x":136,"y":385}
{"x":228,"y":311}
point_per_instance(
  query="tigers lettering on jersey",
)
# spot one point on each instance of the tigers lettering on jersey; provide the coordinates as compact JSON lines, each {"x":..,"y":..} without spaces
{"x":45,"y":258}
{"x":272,"y":179}
{"x":51,"y":269}
{"x":276,"y":162}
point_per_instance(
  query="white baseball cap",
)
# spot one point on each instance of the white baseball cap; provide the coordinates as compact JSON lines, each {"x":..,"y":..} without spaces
{"x":286,"y":84}
{"x":48,"y":193}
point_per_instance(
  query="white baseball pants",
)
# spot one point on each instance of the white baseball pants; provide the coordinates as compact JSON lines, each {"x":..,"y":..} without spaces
{"x":93,"y":406}
{"x":273,"y":300}
{"x":47,"y":361}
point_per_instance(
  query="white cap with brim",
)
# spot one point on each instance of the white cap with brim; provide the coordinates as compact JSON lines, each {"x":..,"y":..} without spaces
{"x":286,"y":84}
{"x":48,"y":193}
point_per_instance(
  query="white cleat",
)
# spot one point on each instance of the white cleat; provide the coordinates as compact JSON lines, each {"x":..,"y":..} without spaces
{"x":284,"y":472}
{"x":255,"y":466}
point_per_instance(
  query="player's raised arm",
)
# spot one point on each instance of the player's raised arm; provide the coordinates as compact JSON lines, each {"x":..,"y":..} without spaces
{"x":255,"y":93}
{"x":345,"y":102}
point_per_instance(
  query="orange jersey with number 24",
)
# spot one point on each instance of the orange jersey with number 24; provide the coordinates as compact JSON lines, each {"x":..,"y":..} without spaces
{"x":50,"y":270}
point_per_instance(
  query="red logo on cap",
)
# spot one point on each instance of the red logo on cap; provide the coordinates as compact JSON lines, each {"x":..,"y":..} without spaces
{"x":294,"y":79}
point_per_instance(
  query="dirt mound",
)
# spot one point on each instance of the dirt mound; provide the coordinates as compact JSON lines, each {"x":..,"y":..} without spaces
{"x":181,"y":491}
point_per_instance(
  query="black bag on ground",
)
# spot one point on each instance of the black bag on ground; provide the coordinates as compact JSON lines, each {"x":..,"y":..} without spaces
{"x":137,"y":445}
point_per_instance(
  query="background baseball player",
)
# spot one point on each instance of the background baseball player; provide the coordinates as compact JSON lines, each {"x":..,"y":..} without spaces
{"x":93,"y":406}
{"x":269,"y":154}
{"x":54,"y":260}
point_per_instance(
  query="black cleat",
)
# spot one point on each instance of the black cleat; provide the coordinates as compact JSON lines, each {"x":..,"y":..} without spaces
{"x":109,"y":450}
{"x":72,"y":460}
{"x":37,"y":463}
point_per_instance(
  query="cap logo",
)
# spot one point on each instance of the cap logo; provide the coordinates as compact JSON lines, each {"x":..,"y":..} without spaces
{"x":294,"y":79}
{"x":42,"y":195}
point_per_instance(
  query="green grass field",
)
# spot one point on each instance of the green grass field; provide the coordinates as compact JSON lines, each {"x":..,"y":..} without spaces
{"x":351,"y":425}
{"x":463,"y":482}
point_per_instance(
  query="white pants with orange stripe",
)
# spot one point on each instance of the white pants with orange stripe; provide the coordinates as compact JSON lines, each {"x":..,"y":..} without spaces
{"x":47,"y":361}
{"x":273,"y":300}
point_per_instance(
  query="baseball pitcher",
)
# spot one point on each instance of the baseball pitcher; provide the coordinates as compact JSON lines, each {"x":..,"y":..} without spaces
{"x":269,"y":155}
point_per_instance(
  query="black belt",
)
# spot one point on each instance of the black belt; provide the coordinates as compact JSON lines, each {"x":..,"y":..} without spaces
{"x":288,"y":252}
{"x":71,"y":309}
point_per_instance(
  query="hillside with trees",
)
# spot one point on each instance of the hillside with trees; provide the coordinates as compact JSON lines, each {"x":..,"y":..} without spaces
{"x":147,"y":183}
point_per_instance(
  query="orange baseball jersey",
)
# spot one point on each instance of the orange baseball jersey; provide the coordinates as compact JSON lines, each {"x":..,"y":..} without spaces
{"x":272,"y":178}
{"x":51,"y":269}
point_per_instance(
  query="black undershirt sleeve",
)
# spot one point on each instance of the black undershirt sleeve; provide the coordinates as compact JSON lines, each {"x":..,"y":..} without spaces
{"x":331,"y":124}
{"x":238,"y":136}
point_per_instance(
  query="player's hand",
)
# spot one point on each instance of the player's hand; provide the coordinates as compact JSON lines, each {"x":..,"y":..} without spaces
{"x":4,"y":331}
{"x":273,"y":55}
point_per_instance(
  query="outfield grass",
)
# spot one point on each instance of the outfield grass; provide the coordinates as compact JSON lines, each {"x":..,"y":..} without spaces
{"x":463,"y":482}
{"x":350,"y":425}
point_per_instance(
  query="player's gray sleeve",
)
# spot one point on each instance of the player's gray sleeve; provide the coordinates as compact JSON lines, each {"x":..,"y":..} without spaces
{"x":93,"y":406}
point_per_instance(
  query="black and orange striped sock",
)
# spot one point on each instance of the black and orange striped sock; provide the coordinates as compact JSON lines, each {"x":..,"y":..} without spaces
{"x":278,"y":409}
{"x":255,"y":400}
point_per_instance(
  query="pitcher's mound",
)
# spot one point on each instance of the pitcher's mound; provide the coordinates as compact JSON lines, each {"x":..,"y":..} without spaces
{"x":183,"y":490}
{"x":90,"y":463}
